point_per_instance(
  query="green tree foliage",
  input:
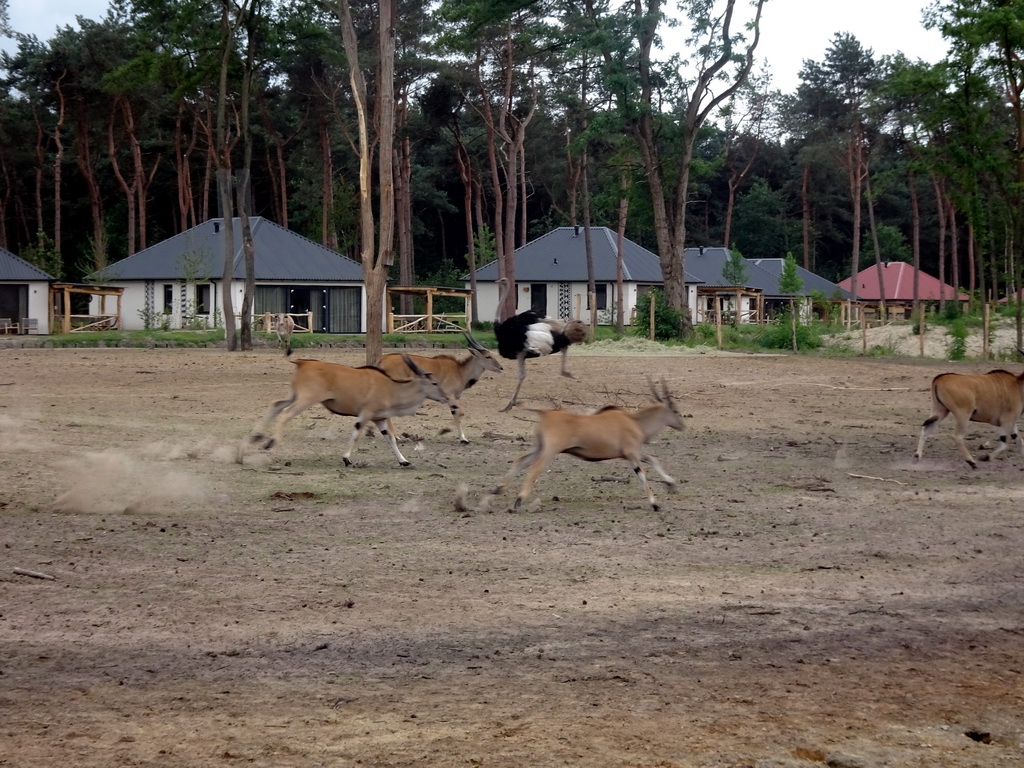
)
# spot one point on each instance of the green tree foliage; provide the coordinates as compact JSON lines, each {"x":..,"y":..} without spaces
{"x":734,"y":271}
{"x":790,"y":280}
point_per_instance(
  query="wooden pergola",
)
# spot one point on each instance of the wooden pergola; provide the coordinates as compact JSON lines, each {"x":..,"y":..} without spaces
{"x":429,"y":322}
{"x":60,"y":307}
{"x":717,"y":293}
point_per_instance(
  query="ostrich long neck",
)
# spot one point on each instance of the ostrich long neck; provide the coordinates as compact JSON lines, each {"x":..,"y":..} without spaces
{"x":502,"y":294}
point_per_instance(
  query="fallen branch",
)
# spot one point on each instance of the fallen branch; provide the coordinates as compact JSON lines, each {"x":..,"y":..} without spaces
{"x":34,"y":574}
{"x":883,"y":479}
{"x":862,"y":389}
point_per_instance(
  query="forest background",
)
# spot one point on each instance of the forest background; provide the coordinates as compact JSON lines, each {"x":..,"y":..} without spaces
{"x":509,"y":118}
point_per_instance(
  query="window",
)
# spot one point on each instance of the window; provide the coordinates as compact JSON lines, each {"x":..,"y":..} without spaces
{"x":202,"y":298}
{"x":168,"y":298}
{"x":601,"y":296}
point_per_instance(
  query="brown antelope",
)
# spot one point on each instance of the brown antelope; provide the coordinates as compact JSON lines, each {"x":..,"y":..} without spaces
{"x":996,"y":397}
{"x":454,"y":376}
{"x":611,"y":433}
{"x":367,"y":393}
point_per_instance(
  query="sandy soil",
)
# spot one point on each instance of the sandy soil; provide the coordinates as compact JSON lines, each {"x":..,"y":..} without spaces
{"x":900,"y":339}
{"x":808,"y":596}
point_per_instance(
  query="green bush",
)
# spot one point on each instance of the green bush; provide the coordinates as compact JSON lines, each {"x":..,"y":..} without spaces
{"x":958,"y":343}
{"x":667,"y":320}
{"x":780,"y":336}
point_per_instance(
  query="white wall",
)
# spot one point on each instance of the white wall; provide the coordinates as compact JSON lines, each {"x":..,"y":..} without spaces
{"x":133,"y":304}
{"x":487,"y":301}
{"x":39,"y":305}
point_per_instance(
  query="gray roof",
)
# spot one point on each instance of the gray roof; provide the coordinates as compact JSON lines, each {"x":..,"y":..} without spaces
{"x":198,"y":253}
{"x":812,"y":282}
{"x":560,"y":256}
{"x":16,"y":268}
{"x":762,"y":274}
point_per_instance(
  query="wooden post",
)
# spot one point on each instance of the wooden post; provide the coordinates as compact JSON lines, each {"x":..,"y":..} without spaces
{"x":430,"y":311}
{"x":67,"y":309}
{"x":718,"y":319}
{"x":579,"y":311}
{"x":985,"y":318}
{"x":652,"y":315}
{"x":863,"y":335}
{"x":920,"y":328}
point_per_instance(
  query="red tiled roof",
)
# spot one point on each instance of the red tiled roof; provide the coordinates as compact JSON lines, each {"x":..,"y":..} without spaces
{"x":898,"y":281}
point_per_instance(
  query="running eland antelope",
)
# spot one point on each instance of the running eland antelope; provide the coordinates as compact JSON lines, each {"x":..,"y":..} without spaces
{"x":611,"y":433}
{"x":454,"y":376}
{"x":996,"y":397}
{"x":367,"y":393}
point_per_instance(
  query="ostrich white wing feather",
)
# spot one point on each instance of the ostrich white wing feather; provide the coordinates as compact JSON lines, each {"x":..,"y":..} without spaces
{"x":539,"y":339}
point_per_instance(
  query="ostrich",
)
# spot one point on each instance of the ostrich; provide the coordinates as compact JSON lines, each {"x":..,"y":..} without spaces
{"x":529,"y":334}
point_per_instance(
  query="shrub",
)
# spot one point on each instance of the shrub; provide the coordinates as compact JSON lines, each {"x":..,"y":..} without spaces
{"x":667,"y":320}
{"x":958,"y":339}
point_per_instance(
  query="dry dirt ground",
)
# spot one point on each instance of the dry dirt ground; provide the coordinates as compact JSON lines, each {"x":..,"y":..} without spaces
{"x":809,"y":596}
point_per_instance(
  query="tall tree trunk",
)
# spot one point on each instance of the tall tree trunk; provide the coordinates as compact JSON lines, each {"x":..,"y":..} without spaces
{"x":875,"y":246}
{"x":128,"y":189}
{"x":805,"y":218}
{"x":940,"y":204}
{"x":915,"y":238}
{"x":466,"y":175}
{"x":403,"y":216}
{"x":223,"y":153}
{"x":328,"y":232}
{"x":58,"y":164}
{"x":855,"y":175}
{"x":375,"y":265}
{"x":87,"y":168}
{"x":244,"y":187}
{"x":40,"y":153}
{"x":620,"y":299}
{"x":954,"y":253}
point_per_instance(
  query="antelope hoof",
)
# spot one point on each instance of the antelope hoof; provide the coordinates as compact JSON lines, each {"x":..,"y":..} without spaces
{"x":986,"y":457}
{"x":974,"y":464}
{"x":268,"y":445}
{"x":464,"y":440}
{"x":654,"y":506}
{"x":256,"y":438}
{"x":517,"y":505}
{"x":405,"y":463}
{"x":568,"y":375}
{"x":507,"y":408}
{"x":348,"y":462}
{"x":917,"y":457}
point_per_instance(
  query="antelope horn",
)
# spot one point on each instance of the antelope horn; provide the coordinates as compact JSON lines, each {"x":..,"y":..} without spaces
{"x":473,"y":342}
{"x":412,"y":366}
{"x":664,"y":389}
{"x":654,"y":391}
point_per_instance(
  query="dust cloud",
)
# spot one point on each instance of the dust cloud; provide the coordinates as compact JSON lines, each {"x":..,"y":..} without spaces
{"x":111,"y":481}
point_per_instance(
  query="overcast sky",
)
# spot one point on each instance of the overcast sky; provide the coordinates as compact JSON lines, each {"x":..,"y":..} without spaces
{"x":792,"y":30}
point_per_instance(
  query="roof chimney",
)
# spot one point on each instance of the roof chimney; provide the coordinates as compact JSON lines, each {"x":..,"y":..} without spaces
{"x":700,"y":251}
{"x":216,"y":227}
